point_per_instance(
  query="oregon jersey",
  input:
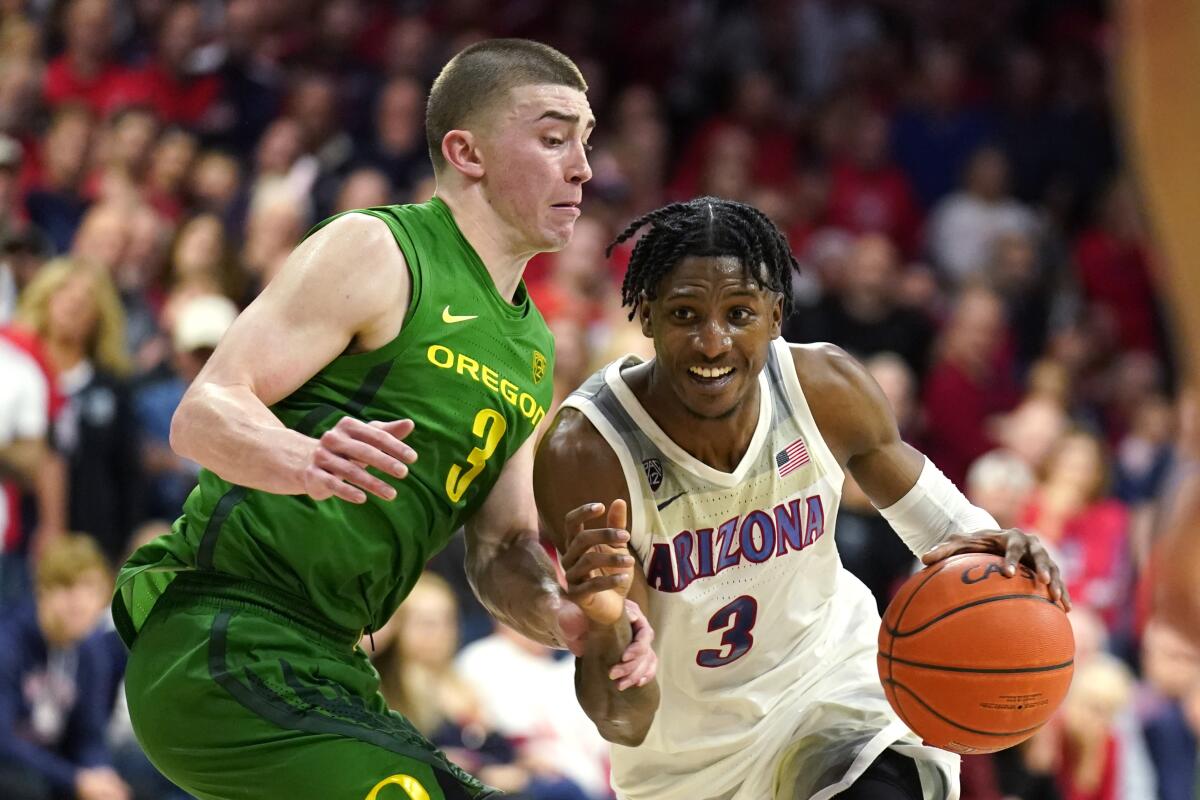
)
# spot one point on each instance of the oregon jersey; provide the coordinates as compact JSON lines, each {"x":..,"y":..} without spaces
{"x":472,"y":371}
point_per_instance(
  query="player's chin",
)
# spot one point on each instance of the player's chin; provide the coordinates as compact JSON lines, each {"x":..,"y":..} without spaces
{"x":557,"y":235}
{"x":707,"y":403}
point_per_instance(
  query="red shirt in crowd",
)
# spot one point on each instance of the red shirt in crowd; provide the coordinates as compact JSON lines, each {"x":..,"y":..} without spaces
{"x":1115,"y":275}
{"x":1106,"y":789}
{"x":1091,"y":551}
{"x":101,"y":93}
{"x":958,"y":406}
{"x":874,"y":201}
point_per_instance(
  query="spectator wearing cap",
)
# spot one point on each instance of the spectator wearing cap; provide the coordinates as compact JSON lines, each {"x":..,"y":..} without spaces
{"x":200,"y":322}
{"x":56,"y":682}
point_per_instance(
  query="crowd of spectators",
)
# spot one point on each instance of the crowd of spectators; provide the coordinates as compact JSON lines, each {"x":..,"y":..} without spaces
{"x":948,"y":173}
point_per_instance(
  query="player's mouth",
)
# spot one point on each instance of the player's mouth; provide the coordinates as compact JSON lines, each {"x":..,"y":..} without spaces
{"x":572,"y":207}
{"x":712,"y":378}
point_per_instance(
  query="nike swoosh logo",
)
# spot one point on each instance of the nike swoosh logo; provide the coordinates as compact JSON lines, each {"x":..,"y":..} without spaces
{"x":450,"y":319}
{"x":670,"y":500}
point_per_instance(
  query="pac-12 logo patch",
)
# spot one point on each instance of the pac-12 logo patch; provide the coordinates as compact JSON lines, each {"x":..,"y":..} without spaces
{"x":539,"y":367}
{"x":654,"y":473}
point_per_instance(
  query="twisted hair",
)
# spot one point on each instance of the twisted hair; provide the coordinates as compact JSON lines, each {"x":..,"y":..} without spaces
{"x":706,"y":226}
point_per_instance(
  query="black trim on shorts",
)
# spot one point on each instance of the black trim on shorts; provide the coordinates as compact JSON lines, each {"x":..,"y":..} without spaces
{"x":260,"y":699}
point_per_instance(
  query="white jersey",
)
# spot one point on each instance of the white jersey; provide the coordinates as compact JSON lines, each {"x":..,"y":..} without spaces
{"x":766,"y":644}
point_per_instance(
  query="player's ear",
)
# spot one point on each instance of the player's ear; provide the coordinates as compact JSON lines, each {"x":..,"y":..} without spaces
{"x":777,"y":316}
{"x":644,"y":318}
{"x":461,"y":151}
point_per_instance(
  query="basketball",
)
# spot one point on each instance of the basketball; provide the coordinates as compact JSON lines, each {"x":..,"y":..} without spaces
{"x":972,"y":660}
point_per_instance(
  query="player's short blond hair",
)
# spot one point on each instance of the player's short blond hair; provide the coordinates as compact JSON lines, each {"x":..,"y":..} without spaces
{"x":480,"y":76}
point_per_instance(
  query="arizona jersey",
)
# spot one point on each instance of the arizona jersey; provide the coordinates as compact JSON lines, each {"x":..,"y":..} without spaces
{"x":766,"y":644}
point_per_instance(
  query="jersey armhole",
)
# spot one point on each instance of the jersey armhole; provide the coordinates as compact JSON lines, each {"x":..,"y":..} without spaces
{"x":637,"y":512}
{"x":802,"y":411}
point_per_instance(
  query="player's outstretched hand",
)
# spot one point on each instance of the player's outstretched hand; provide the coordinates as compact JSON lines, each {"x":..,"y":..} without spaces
{"x":337,"y":466}
{"x":1016,"y":546}
{"x":597,"y":563}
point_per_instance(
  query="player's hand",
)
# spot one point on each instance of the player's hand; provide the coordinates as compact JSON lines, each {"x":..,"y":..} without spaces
{"x":337,"y":465}
{"x":100,"y":783}
{"x":638,"y":663}
{"x":1016,"y":546}
{"x":597,"y":563}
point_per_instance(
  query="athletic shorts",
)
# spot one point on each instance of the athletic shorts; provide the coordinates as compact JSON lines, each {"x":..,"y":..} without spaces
{"x":236,"y":696}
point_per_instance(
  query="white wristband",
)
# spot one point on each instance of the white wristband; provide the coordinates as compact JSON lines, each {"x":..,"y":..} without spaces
{"x":932,"y":510}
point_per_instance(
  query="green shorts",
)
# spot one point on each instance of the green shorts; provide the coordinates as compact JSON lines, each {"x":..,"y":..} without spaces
{"x":235,"y":696}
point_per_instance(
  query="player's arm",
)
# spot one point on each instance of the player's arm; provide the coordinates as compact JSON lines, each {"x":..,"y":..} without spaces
{"x":513,"y":576}
{"x":574,"y":469}
{"x":341,"y":286}
{"x":925,"y":509}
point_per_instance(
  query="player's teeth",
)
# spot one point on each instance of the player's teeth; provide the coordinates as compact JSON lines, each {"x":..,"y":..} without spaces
{"x":705,"y":372}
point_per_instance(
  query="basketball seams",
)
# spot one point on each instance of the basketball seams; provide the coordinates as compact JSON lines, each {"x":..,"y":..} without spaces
{"x":898,"y":634}
{"x":980,"y":670}
{"x":900,"y":616}
{"x":948,"y":721}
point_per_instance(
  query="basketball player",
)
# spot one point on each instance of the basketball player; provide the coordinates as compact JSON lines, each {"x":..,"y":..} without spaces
{"x":389,"y":333}
{"x":727,"y":451}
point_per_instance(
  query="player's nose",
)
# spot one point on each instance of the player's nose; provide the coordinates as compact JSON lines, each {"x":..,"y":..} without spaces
{"x":713,"y":340}
{"x":578,"y":168}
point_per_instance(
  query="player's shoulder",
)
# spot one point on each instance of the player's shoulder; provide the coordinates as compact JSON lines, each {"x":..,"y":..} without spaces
{"x":354,"y":258}
{"x":847,"y":404}
{"x":572,"y":440}
{"x":829,"y":368}
{"x":359,"y":234}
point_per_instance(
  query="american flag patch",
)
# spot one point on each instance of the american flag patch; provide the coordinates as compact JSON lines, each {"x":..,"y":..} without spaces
{"x":791,"y":458}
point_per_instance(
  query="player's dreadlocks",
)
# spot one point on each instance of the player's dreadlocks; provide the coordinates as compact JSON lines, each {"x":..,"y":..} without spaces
{"x":706,"y":226}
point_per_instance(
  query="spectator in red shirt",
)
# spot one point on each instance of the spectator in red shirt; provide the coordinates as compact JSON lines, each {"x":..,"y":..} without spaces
{"x":756,"y":109}
{"x":1114,"y":270}
{"x":86,"y":72}
{"x":1070,"y":510}
{"x":1089,"y":766}
{"x":170,"y":84}
{"x":867,"y":191}
{"x":969,"y":385}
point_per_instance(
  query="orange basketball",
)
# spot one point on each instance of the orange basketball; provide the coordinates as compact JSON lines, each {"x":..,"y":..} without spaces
{"x":972,"y":660}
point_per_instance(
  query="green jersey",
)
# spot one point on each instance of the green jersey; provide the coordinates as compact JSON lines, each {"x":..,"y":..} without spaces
{"x":472,"y":370}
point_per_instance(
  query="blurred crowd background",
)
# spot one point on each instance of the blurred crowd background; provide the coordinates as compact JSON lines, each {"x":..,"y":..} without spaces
{"x":950,"y":177}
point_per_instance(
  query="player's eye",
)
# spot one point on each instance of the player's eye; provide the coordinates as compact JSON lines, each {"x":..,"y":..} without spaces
{"x":552,"y":141}
{"x":741,"y":314}
{"x":682,"y":314}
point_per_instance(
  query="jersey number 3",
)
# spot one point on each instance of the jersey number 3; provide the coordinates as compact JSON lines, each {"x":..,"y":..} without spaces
{"x":736,"y":619}
{"x":489,"y":425}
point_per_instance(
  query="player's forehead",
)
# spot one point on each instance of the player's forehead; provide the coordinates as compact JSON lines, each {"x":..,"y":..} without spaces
{"x":694,"y":275}
{"x":532,"y":103}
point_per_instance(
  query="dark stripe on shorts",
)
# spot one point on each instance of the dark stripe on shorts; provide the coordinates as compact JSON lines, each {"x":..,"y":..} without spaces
{"x":259,"y":699}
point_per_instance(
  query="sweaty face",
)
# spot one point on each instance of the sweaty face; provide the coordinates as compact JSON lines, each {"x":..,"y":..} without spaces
{"x":711,"y":328}
{"x":534,"y":152}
